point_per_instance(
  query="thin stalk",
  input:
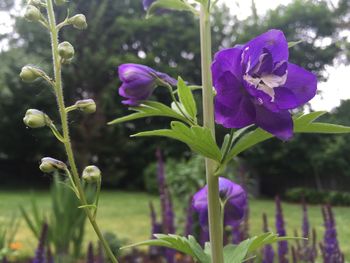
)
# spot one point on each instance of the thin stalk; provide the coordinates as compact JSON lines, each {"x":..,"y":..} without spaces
{"x":214,"y":206}
{"x":65,"y":128}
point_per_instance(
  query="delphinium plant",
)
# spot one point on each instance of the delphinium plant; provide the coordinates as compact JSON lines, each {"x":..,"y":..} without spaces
{"x":255,"y":89}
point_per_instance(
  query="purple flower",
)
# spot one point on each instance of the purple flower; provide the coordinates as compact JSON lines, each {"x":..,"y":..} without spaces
{"x":40,"y":251}
{"x":282,"y":245}
{"x":256,"y":84}
{"x":268,"y":252}
{"x":147,"y":3}
{"x":139,"y":81}
{"x":231,"y":194}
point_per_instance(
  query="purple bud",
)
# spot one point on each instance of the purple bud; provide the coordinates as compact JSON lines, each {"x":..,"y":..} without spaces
{"x":282,"y":245}
{"x":139,"y":81}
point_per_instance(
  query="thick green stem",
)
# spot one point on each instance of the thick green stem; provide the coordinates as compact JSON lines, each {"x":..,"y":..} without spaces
{"x":214,"y":206}
{"x":65,"y":129}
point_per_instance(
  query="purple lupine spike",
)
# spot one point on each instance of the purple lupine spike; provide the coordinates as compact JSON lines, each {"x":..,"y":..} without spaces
{"x":40,"y":251}
{"x":306,"y":224}
{"x":166,"y":205}
{"x":268,"y":252}
{"x":280,"y":228}
{"x":100,"y":256}
{"x":189,"y":219}
{"x":294,"y":255}
{"x":90,"y":253}
{"x":49,"y":256}
{"x":330,"y":248}
{"x":156,"y":228}
{"x":313,"y":253}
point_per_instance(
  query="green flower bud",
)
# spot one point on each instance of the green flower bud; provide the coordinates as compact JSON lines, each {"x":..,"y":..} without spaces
{"x":91,"y":174}
{"x":49,"y":165}
{"x":30,"y":73}
{"x":34,"y":2}
{"x":60,"y":2}
{"x":66,"y":50}
{"x":36,"y":119}
{"x":87,"y":106}
{"x":32,"y":13}
{"x":78,"y":21}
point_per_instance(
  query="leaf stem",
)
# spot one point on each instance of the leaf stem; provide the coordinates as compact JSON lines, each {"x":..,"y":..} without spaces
{"x":65,"y":128}
{"x":214,"y":206}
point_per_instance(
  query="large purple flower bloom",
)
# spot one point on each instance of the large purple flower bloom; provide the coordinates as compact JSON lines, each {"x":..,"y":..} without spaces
{"x":231,"y":194}
{"x":256,"y":84}
{"x":139,"y":81}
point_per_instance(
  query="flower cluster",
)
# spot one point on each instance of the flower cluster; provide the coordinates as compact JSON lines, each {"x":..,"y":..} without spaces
{"x":256,"y":84}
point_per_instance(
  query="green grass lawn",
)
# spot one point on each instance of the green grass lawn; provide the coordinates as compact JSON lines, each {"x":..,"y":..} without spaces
{"x":127,"y":215}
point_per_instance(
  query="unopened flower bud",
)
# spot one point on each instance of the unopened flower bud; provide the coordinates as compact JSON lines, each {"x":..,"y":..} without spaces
{"x":32,"y":13}
{"x":49,"y":165}
{"x":30,"y":73}
{"x":66,"y":50}
{"x":91,"y":174}
{"x":35,"y":119}
{"x":87,"y":106}
{"x":34,"y":2}
{"x":78,"y":21}
{"x":60,"y":2}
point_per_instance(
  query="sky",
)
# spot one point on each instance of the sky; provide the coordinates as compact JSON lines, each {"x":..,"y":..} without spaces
{"x":332,"y":91}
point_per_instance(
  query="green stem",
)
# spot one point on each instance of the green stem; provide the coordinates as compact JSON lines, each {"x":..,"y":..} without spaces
{"x":214,"y":206}
{"x":64,"y":119}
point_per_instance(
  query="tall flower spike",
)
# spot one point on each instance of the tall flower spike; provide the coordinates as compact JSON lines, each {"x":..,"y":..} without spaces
{"x":232,"y":196}
{"x":154,"y":251}
{"x":256,"y":84}
{"x":282,"y":245}
{"x":268,"y":252}
{"x":139,"y":81}
{"x":40,"y":251}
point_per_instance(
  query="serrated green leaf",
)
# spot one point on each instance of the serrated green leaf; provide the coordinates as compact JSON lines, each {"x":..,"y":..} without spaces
{"x":237,"y":253}
{"x":185,"y":245}
{"x":199,"y":139}
{"x":149,"y":109}
{"x":177,"y":5}
{"x":294,"y":43}
{"x":186,"y":98}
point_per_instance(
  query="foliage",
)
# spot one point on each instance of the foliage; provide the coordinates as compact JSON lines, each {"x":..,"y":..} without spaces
{"x":66,"y":222}
{"x":8,"y":231}
{"x":127,"y":38}
{"x":313,"y":196}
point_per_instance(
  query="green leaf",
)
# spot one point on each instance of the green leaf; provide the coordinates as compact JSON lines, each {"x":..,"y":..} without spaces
{"x":177,"y":5}
{"x":149,"y":109}
{"x":186,"y":98}
{"x":185,"y":245}
{"x":199,"y":139}
{"x":237,"y":253}
{"x":294,"y":43}
{"x":302,"y":124}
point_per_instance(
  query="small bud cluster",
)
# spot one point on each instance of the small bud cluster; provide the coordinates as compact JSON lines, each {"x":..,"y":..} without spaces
{"x":49,"y":165}
{"x":86,"y":106}
{"x":66,"y":52}
{"x":91,"y":174}
{"x":30,"y":73}
{"x":36,"y":119}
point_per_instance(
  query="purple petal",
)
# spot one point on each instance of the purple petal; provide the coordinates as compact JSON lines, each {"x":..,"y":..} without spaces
{"x":279,"y":124}
{"x":233,"y":108}
{"x":265,"y":64}
{"x":272,"y":40}
{"x":302,"y":83}
{"x":227,"y":60}
{"x":147,"y":3}
{"x":129,"y":72}
{"x":285,"y":99}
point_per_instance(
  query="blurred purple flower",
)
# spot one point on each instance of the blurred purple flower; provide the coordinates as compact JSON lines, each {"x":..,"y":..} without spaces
{"x":147,"y":3}
{"x":40,"y":251}
{"x":268,"y":252}
{"x":256,"y":84}
{"x":139,"y":81}
{"x":90,"y":253}
{"x":330,"y":248}
{"x":231,"y":194}
{"x":280,"y":228}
